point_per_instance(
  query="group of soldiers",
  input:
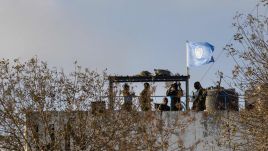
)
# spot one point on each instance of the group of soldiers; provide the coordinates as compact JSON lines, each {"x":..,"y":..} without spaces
{"x":174,"y":92}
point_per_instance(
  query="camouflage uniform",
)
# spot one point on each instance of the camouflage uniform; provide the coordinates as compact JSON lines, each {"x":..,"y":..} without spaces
{"x":145,"y":99}
{"x":175,"y":96}
{"x":127,"y":100}
{"x":199,"y":103}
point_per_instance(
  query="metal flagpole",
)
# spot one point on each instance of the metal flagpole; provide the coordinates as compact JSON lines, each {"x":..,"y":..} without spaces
{"x":187,"y":81}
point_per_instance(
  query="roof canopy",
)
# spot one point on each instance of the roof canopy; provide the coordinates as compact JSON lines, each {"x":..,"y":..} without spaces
{"x":147,"y":78}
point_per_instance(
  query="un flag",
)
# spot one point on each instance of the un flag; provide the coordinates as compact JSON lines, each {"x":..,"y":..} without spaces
{"x":199,"y":53}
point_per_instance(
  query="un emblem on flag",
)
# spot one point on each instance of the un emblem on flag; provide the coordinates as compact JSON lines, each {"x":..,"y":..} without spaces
{"x":198,"y":52}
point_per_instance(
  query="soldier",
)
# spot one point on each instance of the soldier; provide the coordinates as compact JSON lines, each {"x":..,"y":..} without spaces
{"x":164,"y":106}
{"x":145,"y":98}
{"x":199,"y":103}
{"x":175,"y":93}
{"x":127,"y":98}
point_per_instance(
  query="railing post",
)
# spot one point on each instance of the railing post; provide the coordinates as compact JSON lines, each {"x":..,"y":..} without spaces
{"x":187,"y":93}
{"x":111,"y":94}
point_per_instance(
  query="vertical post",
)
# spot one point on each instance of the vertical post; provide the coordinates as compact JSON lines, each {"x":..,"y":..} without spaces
{"x":188,"y":77}
{"x":111,"y":93}
{"x":187,"y":90}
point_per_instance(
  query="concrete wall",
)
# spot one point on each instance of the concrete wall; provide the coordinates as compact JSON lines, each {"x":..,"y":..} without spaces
{"x":196,"y":131}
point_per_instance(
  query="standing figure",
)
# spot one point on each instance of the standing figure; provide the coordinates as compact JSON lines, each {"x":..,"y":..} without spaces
{"x":175,"y":93}
{"x":145,"y":98}
{"x":127,"y":98}
{"x":199,"y":102}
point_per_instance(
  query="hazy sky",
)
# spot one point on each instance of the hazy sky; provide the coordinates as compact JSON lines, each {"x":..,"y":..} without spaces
{"x":124,"y":36}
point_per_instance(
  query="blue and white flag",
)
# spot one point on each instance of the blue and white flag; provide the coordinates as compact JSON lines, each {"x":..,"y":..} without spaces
{"x":199,"y":53}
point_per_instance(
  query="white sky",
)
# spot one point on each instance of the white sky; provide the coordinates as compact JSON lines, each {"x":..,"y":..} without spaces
{"x":124,"y":36}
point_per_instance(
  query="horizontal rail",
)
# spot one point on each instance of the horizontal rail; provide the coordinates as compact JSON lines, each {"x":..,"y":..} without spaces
{"x":147,"y":78}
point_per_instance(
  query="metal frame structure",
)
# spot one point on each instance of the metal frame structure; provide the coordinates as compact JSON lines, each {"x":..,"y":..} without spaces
{"x":120,"y":79}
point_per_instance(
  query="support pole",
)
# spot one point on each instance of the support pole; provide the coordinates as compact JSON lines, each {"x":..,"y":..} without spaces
{"x":111,"y":95}
{"x":187,"y":90}
{"x":188,"y":77}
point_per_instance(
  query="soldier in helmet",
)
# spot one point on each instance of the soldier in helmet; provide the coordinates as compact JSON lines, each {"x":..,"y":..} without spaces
{"x":199,"y":98}
{"x":127,"y":97}
{"x":175,"y":93}
{"x":145,"y":98}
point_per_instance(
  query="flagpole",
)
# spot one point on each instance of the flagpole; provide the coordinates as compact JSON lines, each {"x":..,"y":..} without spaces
{"x":186,"y":58}
{"x":187,"y":81}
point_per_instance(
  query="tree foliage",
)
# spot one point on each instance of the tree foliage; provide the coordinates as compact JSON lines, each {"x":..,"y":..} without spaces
{"x":250,"y":74}
{"x":45,"y":109}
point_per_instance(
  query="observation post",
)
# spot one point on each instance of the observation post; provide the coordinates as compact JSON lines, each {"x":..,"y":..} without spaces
{"x":122,"y":79}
